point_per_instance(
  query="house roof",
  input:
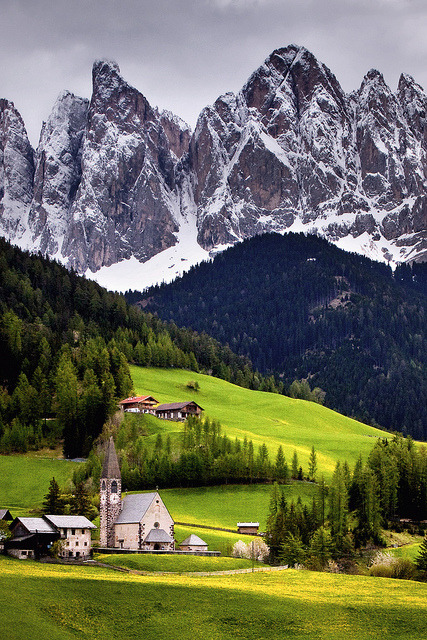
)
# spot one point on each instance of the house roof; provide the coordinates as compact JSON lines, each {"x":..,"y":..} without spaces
{"x":36,"y":525}
{"x":70,"y":522}
{"x":176,"y":405}
{"x":110,"y":468}
{"x":248,"y":524}
{"x":134,"y":399}
{"x":135,"y":507}
{"x":193,"y":540}
{"x":158,"y":535}
{"x":5,"y":514}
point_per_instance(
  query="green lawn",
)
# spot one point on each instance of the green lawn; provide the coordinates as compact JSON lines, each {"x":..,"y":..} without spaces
{"x":410,"y":551}
{"x":182,"y":564}
{"x":24,"y":480}
{"x":264,"y":417}
{"x":226,"y":505}
{"x":67,"y":602}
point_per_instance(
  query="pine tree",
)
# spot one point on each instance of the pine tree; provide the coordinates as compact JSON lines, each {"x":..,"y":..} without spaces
{"x":295,"y":465}
{"x":312,"y":465}
{"x":421,"y":559}
{"x":53,"y":502}
{"x":81,"y":504}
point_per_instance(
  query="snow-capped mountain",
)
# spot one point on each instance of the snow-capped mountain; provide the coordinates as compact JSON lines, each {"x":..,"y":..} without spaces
{"x":118,"y":187}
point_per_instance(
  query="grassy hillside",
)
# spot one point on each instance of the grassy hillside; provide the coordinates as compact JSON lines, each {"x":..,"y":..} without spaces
{"x":264,"y":417}
{"x":65,"y":602}
{"x":24,"y":480}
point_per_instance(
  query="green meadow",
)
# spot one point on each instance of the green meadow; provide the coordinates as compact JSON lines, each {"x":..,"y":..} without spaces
{"x":226,"y":505}
{"x":68,"y":602}
{"x":180,"y":564}
{"x":24,"y":480}
{"x":264,"y":417}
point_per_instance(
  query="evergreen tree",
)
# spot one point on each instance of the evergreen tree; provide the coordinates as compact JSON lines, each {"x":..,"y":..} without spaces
{"x":53,"y":502}
{"x":292,"y":550}
{"x":312,"y":465}
{"x":421,"y":559}
{"x":295,"y":465}
{"x":80,"y":503}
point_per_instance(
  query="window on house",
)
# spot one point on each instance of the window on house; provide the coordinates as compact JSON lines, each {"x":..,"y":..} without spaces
{"x":64,"y":531}
{"x":77,"y":543}
{"x":83,"y":532}
{"x":73,"y":532}
{"x":85,"y":544}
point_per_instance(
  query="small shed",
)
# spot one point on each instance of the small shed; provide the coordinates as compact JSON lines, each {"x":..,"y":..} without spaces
{"x":138,"y":404}
{"x":193,"y":543}
{"x":178,"y":410}
{"x":248,"y":528}
{"x":6,"y":515}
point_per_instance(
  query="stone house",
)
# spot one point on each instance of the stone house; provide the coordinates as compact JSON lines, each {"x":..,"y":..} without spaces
{"x":75,"y":531}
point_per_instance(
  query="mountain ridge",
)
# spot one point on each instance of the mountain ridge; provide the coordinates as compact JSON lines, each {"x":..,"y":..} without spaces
{"x":115,"y":179}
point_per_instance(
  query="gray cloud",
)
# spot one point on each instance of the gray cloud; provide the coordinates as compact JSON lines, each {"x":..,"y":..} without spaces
{"x":182,"y":54}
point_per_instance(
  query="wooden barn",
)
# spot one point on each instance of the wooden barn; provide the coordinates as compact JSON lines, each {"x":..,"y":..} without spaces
{"x":178,"y":410}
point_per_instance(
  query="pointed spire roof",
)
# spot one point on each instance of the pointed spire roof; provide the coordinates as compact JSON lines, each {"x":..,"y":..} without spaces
{"x":111,"y":467}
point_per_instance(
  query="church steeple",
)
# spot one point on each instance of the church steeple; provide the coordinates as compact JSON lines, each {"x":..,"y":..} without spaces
{"x":110,"y":503}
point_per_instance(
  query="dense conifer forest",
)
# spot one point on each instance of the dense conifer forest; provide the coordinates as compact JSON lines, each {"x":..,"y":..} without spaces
{"x":65,"y":344}
{"x":302,"y":309}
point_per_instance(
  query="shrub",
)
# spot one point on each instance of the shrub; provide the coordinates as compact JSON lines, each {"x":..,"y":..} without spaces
{"x":256,"y":549}
{"x":385,"y":565}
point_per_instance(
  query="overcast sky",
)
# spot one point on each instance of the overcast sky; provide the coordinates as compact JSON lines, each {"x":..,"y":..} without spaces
{"x":182,"y":54}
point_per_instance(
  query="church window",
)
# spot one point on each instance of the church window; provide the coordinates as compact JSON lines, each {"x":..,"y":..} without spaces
{"x":156,"y":525}
{"x":103,"y":487}
{"x":114,"y":487}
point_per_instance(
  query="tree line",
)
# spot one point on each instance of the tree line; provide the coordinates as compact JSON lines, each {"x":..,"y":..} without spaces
{"x":352,"y":510}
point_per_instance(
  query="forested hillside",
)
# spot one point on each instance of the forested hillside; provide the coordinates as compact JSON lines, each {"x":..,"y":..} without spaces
{"x":65,"y":344}
{"x":300,"y":308}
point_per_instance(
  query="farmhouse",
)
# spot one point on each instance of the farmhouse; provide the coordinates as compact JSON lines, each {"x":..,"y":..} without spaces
{"x":138,"y":404}
{"x":178,"y":410}
{"x":75,"y":532}
{"x":34,"y":537}
{"x":138,"y":521}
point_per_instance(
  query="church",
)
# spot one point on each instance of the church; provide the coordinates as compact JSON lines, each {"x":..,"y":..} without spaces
{"x":138,"y":521}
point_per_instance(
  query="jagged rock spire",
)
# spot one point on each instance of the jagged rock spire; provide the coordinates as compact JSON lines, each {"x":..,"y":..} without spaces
{"x":111,"y":467}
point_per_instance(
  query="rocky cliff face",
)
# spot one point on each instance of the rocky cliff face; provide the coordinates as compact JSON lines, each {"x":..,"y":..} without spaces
{"x":292,"y":151}
{"x":16,"y":173}
{"x":58,"y":173}
{"x":116,"y":178}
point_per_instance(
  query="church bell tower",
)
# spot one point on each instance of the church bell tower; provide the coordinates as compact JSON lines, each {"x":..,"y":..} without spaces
{"x":110,"y":503}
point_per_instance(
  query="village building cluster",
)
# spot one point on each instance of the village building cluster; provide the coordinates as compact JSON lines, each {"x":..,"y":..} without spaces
{"x":136,"y":522}
{"x":177,"y":411}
